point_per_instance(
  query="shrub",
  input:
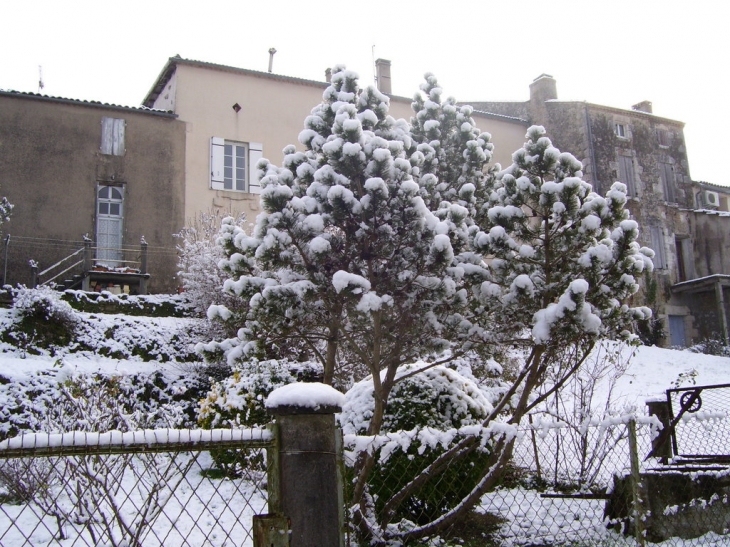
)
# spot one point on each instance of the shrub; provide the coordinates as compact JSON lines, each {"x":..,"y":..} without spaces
{"x":424,"y":415}
{"x":238,"y":402}
{"x":41,"y":319}
{"x":713,"y":345}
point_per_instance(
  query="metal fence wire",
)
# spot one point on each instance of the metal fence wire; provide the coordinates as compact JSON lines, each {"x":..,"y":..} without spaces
{"x":580,"y":485}
{"x":565,"y":485}
{"x":161,"y":487}
{"x":703,"y":428}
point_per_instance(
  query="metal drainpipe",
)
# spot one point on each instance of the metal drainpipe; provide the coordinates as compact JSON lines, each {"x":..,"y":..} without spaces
{"x":594,"y":167}
{"x":721,"y":310}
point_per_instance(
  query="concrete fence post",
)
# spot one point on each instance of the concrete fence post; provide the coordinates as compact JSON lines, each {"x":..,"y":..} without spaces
{"x":310,"y":485}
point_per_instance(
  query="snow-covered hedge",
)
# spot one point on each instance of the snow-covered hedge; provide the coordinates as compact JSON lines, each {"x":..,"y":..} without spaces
{"x":41,"y":323}
{"x":59,"y":400}
{"x":154,"y":305}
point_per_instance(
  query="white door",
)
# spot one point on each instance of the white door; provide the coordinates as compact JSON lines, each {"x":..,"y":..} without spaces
{"x":109,"y":217}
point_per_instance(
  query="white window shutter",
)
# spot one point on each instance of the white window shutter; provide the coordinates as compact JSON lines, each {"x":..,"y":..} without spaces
{"x":255,"y":153}
{"x":118,"y":137}
{"x":216,"y":163}
{"x":107,"y":129}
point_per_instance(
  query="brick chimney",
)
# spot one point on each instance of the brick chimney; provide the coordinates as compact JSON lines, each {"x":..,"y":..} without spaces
{"x":643,"y":106}
{"x":382,"y":75}
{"x":328,"y":75}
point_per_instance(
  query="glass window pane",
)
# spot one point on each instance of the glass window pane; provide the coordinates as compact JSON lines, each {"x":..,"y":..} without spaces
{"x":116,"y":194}
{"x":228,"y":149}
{"x":240,"y":151}
{"x":227,"y":161}
{"x":227,"y":173}
{"x":114,"y":209}
{"x":104,"y":192}
{"x":103,"y":208}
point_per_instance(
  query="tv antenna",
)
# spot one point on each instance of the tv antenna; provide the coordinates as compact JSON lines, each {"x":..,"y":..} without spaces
{"x":40,"y":78}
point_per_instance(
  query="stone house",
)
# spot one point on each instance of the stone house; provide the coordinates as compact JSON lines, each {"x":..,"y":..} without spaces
{"x":76,"y":168}
{"x":686,"y":223}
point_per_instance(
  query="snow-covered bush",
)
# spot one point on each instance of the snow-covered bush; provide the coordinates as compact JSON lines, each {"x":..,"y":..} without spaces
{"x":40,"y":319}
{"x":198,"y":256}
{"x":713,"y":345}
{"x":238,"y":402}
{"x":426,"y":415}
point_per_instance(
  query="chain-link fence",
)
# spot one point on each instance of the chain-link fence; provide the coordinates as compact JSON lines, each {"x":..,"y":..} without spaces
{"x":703,"y":428}
{"x":162,"y":487}
{"x":565,"y":484}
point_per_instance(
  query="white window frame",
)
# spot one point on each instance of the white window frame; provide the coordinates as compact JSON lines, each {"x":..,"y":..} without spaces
{"x":621,"y":130}
{"x":231,"y":177}
{"x":112,"y":136}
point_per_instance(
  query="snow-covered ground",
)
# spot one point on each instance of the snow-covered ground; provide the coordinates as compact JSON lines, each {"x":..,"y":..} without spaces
{"x":651,"y":371}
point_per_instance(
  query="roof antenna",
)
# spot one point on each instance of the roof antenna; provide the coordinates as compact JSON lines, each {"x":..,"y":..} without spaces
{"x":271,"y":58}
{"x":375,"y":77}
{"x":40,"y":78}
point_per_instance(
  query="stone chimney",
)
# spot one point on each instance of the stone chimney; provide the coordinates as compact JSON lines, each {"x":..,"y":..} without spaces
{"x":543,"y":88}
{"x":328,"y":75}
{"x":643,"y":106}
{"x":382,"y":75}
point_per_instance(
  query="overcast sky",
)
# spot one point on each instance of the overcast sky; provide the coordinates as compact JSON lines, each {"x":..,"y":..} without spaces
{"x":615,"y":53}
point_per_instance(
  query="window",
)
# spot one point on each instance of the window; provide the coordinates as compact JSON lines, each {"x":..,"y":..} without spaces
{"x":620,"y":130}
{"x":666,"y":172}
{"x":626,"y":174}
{"x":664,"y":137}
{"x":112,"y":136}
{"x":657,"y":245}
{"x":233,"y":165}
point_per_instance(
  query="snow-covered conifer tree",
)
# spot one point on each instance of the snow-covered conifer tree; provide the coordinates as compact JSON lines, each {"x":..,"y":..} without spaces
{"x":347,"y":264}
{"x":562,"y":262}
{"x":452,"y":150}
